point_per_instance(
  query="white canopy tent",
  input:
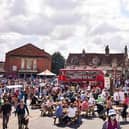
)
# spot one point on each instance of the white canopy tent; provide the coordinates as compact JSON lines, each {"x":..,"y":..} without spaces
{"x":46,"y":73}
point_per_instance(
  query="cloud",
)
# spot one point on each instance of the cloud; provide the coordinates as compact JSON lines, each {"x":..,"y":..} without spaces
{"x":10,"y":41}
{"x":39,"y":25}
{"x":64,"y":25}
{"x":26,"y":19}
{"x":125,"y":5}
{"x":62,"y":4}
{"x":116,"y":43}
{"x":98,"y":40}
{"x":65,"y":18}
{"x":63,"y":32}
{"x":103,"y":29}
{"x":17,"y":7}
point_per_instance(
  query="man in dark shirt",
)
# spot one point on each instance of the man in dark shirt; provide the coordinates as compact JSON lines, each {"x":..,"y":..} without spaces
{"x":25,"y":97}
{"x":6,"y":110}
{"x":21,"y":112}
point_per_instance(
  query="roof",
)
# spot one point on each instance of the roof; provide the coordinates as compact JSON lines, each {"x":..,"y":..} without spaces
{"x":28,"y":50}
{"x":46,"y":73}
{"x":88,"y":58}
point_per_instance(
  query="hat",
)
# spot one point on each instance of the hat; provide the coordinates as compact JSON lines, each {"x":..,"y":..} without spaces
{"x":111,"y":112}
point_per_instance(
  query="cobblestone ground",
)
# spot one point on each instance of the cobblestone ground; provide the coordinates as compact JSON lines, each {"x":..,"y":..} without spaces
{"x":37,"y":122}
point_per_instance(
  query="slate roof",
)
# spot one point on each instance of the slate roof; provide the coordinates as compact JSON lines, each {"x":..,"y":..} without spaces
{"x":88,"y":57}
{"x":28,"y":50}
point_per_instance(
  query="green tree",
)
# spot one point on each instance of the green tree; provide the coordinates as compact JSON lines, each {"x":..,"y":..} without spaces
{"x":58,"y":62}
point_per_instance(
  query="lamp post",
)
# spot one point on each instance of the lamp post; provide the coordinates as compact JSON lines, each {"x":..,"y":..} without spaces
{"x":126,"y":73}
{"x":114,"y":68}
{"x":126,"y":68}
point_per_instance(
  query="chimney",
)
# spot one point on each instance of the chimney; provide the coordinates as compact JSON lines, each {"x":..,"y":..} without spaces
{"x":107,"y":50}
{"x":126,"y":51}
{"x":83,"y":52}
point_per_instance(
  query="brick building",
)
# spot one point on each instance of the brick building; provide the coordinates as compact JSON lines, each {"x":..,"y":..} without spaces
{"x":112,"y":63}
{"x":27,"y":61}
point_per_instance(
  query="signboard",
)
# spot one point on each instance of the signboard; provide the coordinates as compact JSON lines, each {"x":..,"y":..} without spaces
{"x":81,"y":75}
{"x":107,"y":82}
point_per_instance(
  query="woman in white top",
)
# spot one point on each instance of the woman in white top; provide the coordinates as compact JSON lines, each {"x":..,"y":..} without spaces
{"x":72,"y":111}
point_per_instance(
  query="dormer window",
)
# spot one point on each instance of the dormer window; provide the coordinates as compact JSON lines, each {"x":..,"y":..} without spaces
{"x":95,"y":61}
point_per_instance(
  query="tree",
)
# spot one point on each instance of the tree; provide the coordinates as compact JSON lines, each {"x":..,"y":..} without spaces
{"x":58,"y":62}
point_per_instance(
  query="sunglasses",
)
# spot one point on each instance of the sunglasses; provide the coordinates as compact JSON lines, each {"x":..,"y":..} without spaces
{"x":112,"y":115}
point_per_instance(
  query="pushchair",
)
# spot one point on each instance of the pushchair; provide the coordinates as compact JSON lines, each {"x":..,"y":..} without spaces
{"x":24,"y":123}
{"x":46,"y":110}
{"x":101,"y":110}
{"x":35,"y":103}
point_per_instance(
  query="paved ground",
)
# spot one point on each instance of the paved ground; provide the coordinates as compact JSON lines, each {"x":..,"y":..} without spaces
{"x":37,"y":122}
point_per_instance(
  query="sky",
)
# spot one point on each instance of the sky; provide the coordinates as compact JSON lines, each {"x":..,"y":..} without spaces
{"x":68,"y":26}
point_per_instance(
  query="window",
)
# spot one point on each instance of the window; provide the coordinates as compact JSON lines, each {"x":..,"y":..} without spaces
{"x":35,"y":64}
{"x":14,"y":68}
{"x":22,"y":63}
{"x":29,"y":63}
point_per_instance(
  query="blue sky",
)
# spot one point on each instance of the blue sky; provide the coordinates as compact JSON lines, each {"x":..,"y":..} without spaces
{"x":67,"y":26}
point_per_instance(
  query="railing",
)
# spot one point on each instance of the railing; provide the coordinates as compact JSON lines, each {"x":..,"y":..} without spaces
{"x":28,"y":70}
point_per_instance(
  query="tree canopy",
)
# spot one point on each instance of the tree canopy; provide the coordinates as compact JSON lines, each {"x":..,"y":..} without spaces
{"x":58,"y":62}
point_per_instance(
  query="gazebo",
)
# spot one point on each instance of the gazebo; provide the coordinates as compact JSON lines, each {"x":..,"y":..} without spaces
{"x":46,"y":73}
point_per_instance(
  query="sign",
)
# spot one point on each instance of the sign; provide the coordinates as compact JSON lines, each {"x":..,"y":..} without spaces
{"x":81,"y":75}
{"x":107,"y":82}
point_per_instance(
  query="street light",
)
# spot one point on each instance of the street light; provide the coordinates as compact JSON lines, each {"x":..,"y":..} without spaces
{"x":114,"y":67}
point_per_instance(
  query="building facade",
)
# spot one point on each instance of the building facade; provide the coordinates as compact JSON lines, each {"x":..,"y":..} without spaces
{"x":2,"y":71}
{"x":111,"y":63}
{"x":26,"y":61}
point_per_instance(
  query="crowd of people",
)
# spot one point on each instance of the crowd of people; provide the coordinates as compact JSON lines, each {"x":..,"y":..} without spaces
{"x":67,"y":103}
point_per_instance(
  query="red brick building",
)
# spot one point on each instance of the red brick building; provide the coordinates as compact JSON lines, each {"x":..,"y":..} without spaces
{"x":26,"y":61}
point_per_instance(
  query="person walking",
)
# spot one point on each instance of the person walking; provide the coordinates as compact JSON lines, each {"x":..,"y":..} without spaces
{"x":125,"y":107}
{"x":108,"y":103}
{"x":21,"y":110}
{"x":6,"y":110}
{"x":25,"y":97}
{"x":58,"y":113}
